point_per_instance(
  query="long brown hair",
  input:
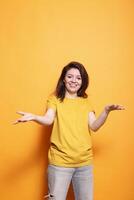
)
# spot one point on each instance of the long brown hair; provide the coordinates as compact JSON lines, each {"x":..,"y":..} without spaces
{"x":60,"y":88}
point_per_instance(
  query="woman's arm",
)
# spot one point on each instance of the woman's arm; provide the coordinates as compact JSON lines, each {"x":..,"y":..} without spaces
{"x":94,"y":123}
{"x":47,"y":119}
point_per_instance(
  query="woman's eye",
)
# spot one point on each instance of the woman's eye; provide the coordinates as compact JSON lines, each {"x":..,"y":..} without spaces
{"x":69,"y":76}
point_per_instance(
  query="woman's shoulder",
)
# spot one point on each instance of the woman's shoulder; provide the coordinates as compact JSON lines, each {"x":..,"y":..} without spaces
{"x":85,"y":99}
{"x":52,"y":98}
{"x":90,"y":103}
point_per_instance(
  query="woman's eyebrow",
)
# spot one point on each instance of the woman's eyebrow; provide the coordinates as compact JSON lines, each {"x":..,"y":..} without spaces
{"x":73,"y":74}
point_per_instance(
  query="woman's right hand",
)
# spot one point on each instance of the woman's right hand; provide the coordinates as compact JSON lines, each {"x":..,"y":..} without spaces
{"x":25,"y":117}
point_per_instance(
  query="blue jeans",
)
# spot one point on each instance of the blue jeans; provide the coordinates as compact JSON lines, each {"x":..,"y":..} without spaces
{"x":59,"y":179}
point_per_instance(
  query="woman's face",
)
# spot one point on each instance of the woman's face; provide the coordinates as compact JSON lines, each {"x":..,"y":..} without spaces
{"x":73,"y":81}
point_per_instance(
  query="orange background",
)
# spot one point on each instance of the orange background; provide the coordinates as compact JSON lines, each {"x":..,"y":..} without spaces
{"x":37,"y":39}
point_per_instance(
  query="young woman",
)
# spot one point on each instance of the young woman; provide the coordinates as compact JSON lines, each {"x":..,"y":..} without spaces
{"x":70,"y":153}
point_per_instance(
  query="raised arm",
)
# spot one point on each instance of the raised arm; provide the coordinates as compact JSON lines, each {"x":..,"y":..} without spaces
{"x":47,"y":119}
{"x":94,"y":123}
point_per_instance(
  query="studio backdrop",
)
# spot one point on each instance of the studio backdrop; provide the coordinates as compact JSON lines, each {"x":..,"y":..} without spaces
{"x":37,"y":39}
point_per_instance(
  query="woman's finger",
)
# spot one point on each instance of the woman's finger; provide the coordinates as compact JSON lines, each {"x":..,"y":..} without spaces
{"x":121,"y":107}
{"x":17,"y":121}
{"x":20,"y":112}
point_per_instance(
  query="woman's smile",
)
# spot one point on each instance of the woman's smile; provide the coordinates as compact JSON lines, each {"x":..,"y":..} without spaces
{"x":73,"y":81}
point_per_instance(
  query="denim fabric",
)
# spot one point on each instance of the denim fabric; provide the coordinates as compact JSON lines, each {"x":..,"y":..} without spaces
{"x":59,"y":179}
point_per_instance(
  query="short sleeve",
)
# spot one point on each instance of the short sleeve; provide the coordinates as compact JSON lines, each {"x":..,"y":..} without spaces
{"x":52,"y":102}
{"x":91,"y":106}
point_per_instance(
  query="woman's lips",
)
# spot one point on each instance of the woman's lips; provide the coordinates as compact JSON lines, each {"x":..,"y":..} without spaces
{"x":73,"y":86}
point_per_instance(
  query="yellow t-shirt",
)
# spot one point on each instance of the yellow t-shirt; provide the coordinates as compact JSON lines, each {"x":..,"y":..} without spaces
{"x":70,"y":142}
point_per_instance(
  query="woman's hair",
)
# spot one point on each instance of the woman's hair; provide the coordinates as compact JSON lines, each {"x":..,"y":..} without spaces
{"x":60,"y":88}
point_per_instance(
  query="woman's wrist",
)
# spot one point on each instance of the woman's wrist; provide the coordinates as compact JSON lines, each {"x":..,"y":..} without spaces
{"x":107,"y":110}
{"x":34,"y":118}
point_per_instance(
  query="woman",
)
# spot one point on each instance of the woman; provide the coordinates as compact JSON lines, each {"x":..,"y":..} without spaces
{"x":70,"y":153}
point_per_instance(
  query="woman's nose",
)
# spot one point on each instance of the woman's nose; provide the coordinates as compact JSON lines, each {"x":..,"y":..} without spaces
{"x":73,"y":79}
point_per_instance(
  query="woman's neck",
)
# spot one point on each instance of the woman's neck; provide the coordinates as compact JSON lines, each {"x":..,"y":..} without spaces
{"x":70,"y":96}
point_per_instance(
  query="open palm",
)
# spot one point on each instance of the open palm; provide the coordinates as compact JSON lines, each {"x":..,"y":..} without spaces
{"x":111,"y":107}
{"x":25,"y":117}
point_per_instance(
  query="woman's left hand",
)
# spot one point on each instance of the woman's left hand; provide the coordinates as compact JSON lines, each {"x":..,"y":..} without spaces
{"x":111,"y":107}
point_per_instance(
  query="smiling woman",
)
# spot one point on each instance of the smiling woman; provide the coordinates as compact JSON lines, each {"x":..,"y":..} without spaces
{"x":70,"y":154}
{"x":38,"y":38}
{"x":73,"y":79}
{"x":73,"y":82}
